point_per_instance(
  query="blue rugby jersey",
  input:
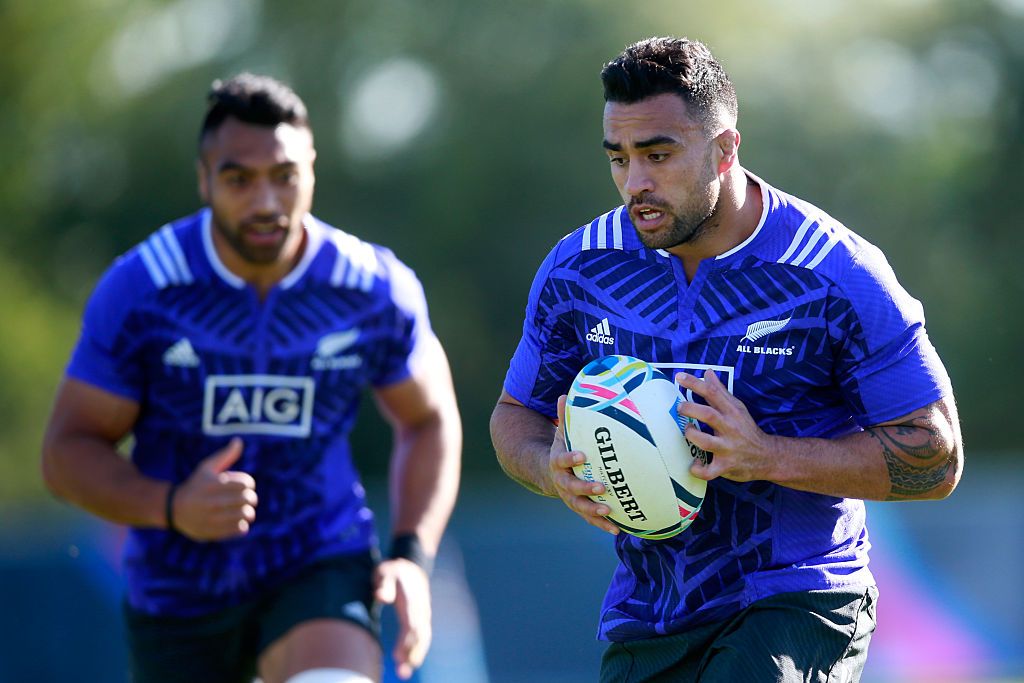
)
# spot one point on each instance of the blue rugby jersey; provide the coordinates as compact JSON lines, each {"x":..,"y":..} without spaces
{"x":169,"y":326}
{"x":805,"y":323}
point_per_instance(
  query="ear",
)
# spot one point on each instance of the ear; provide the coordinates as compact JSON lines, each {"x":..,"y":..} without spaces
{"x":728,"y":142}
{"x":203,"y":180}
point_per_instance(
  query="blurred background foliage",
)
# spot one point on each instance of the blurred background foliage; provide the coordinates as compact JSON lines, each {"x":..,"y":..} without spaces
{"x":466,"y":137}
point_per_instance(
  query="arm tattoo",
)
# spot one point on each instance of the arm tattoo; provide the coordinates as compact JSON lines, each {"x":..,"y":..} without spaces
{"x":914,"y":456}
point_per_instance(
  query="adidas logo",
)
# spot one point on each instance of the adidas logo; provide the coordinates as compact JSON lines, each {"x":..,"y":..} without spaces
{"x":330,"y":346}
{"x":601,"y":333}
{"x":181,"y":354}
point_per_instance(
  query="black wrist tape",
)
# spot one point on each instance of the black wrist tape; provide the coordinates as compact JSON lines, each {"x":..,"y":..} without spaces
{"x":409,"y":547}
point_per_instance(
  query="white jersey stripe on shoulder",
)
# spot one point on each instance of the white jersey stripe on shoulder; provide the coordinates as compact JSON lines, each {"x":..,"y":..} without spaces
{"x":586,"y":236}
{"x":342,"y":265}
{"x":833,"y":240}
{"x":602,"y":232}
{"x":797,"y":239}
{"x":356,"y":266}
{"x":166,"y":262}
{"x":171,"y":242}
{"x":617,"y":228}
{"x":816,"y":237}
{"x":159,"y":279}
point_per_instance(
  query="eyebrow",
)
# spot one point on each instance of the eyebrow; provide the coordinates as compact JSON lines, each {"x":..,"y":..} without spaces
{"x":641,"y":144}
{"x":230,"y":165}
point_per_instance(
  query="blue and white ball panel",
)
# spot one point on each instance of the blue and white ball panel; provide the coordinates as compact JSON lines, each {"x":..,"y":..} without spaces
{"x":620,"y":413}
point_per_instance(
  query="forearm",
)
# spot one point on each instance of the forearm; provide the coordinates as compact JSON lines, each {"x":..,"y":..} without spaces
{"x":918,"y":458}
{"x":88,"y":472}
{"x":522,"y":441}
{"x":425,"y":478}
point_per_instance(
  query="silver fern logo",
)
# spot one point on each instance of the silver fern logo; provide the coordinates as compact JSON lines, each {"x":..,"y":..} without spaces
{"x":763,"y":328}
{"x":760,"y":330}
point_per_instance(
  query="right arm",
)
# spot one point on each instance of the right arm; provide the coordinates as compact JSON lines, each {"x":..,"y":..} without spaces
{"x":532,"y":451}
{"x":81,"y":464}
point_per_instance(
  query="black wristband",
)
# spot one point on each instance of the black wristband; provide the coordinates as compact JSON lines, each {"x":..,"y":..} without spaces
{"x":169,"y":508}
{"x":409,"y":547}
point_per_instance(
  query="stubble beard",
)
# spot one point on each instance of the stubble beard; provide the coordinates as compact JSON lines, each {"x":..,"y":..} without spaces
{"x":692,"y":221}
{"x":234,"y":237}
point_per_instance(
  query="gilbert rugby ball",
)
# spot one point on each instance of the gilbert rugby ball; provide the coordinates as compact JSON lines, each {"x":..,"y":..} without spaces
{"x":621,"y":413}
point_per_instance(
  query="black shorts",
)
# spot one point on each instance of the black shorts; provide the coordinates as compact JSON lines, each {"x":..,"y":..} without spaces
{"x":223,"y":647}
{"x":819,"y":636}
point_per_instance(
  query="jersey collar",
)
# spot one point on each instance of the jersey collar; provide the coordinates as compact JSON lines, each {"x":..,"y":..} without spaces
{"x":765,"y":206}
{"x":314,"y":239}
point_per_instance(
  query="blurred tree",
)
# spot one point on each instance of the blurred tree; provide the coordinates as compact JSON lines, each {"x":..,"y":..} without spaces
{"x":465,"y":136}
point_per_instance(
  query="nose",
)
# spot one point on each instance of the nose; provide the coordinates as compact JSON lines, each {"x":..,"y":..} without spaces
{"x":638,"y":180}
{"x":265,"y":199}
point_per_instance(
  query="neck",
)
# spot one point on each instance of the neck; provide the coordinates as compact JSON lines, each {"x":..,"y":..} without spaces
{"x":736,"y":216}
{"x":261,"y":276}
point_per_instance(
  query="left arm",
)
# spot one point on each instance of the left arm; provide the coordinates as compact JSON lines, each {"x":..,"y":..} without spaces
{"x":424,"y":481}
{"x":918,"y":456}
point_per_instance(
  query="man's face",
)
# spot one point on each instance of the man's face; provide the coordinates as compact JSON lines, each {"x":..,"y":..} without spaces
{"x":258,"y":182}
{"x":664,"y":166}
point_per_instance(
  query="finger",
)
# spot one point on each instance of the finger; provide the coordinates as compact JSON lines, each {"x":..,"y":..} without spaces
{"x":224,"y":458}
{"x":703,"y":440}
{"x":236,"y":480}
{"x":573,"y":485}
{"x":701,"y":471}
{"x":560,"y":428}
{"x":409,"y":651}
{"x":567,"y":460}
{"x":386,"y":591}
{"x":701,"y":413}
{"x":603,"y":524}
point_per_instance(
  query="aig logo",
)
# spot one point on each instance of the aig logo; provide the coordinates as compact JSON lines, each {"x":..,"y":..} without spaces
{"x":258,"y":404}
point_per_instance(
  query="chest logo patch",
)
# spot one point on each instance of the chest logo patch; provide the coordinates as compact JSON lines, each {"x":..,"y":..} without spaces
{"x":759,"y":330}
{"x":258,"y":404}
{"x":601,"y":333}
{"x":329,"y":351}
{"x":180,"y":354}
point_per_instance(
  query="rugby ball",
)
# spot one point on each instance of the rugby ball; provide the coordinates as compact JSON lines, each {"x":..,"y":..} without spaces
{"x":621,"y":414}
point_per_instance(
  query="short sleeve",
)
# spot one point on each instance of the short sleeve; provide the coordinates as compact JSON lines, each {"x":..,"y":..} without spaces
{"x":548,"y":355}
{"x":886,"y":365}
{"x":104,"y":356}
{"x":411,"y":330}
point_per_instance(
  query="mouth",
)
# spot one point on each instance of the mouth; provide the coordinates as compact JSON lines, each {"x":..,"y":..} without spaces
{"x":268,"y":233}
{"x":646,"y":217}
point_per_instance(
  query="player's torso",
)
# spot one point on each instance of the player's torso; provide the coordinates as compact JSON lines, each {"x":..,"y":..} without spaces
{"x":760,"y":326}
{"x":763,"y":327}
{"x":222,"y":363}
{"x":284,"y":373}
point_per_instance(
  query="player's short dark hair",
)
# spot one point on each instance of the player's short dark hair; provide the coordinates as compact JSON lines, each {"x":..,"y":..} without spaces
{"x":680,"y":66}
{"x":255,"y":99}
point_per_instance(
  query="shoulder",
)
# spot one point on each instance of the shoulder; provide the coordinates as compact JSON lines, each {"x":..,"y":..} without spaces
{"x":803,"y":236}
{"x":354,"y":264}
{"x":608,"y":233}
{"x":809,"y":240}
{"x":162,"y":260}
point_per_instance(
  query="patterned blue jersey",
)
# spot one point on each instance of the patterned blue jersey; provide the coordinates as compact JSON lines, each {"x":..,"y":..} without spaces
{"x":805,"y":323}
{"x":169,"y":326}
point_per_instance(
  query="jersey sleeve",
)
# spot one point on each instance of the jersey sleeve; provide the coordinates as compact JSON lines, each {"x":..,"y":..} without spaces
{"x":411,"y":330}
{"x":549,"y":353}
{"x":886,"y":365}
{"x":104,"y":356}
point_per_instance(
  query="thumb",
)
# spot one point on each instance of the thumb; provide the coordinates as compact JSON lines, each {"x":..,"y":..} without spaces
{"x":386,"y":589}
{"x":224,"y":458}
